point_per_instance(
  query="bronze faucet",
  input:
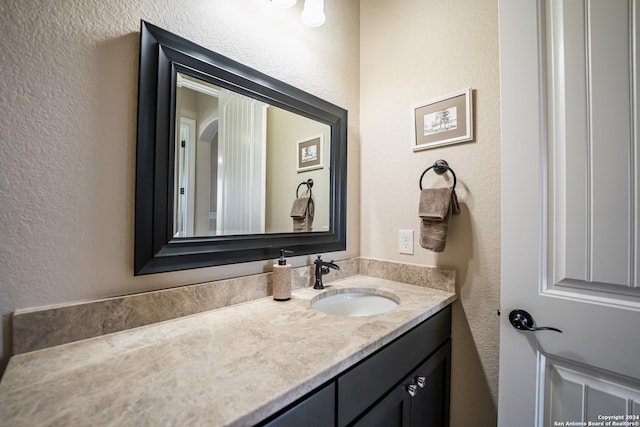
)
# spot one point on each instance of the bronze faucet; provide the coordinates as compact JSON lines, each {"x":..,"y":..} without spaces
{"x":322,"y":267}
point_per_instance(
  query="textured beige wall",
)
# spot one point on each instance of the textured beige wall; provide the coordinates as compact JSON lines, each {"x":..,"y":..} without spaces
{"x":413,"y":51}
{"x":68,"y":131}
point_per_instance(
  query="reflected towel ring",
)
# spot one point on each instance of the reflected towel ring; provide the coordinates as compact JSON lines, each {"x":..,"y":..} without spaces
{"x":439,"y":167}
{"x":308,"y":183}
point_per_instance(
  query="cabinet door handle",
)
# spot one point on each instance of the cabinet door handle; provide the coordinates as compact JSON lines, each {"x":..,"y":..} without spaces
{"x":421,"y":381}
{"x":412,"y":389}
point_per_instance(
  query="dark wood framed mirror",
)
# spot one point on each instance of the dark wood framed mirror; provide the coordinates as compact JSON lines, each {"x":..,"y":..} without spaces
{"x":171,"y":234}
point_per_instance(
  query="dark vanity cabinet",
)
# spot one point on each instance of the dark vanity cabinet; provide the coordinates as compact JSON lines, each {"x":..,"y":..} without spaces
{"x":422,"y":399}
{"x":405,"y":383}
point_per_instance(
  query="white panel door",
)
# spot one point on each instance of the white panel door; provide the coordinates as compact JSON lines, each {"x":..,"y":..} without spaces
{"x":570,"y":212}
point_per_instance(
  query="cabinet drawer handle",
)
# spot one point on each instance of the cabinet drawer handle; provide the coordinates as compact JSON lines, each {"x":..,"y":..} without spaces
{"x":412,"y":389}
{"x":421,"y":381}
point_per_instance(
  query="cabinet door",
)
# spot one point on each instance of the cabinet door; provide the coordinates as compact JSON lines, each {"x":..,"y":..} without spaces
{"x":394,"y":410}
{"x":427,"y":406}
{"x":430,"y":404}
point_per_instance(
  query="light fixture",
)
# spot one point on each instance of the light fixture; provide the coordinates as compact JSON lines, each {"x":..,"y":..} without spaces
{"x":284,"y":3}
{"x":313,"y":13}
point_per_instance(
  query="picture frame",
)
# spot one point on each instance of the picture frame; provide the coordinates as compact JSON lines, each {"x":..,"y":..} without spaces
{"x":443,"y":121}
{"x":309,"y":153}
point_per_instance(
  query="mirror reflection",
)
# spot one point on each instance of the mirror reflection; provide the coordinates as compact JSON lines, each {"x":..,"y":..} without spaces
{"x":245,"y":167}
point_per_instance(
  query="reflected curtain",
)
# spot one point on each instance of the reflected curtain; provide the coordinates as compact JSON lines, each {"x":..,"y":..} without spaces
{"x":241,"y":165}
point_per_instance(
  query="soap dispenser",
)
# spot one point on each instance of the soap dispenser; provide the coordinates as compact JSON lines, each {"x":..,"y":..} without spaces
{"x":281,"y":278}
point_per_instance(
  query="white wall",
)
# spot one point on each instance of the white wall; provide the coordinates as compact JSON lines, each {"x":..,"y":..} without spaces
{"x":413,"y":51}
{"x":68,"y":131}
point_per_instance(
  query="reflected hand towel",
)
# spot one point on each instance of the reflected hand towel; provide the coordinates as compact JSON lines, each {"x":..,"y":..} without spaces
{"x":302,"y":213}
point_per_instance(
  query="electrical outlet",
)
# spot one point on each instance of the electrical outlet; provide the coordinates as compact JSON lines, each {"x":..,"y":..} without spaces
{"x":405,"y":241}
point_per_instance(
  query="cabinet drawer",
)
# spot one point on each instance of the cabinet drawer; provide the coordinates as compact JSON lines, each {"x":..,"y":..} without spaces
{"x":316,"y":410}
{"x":368,"y":381}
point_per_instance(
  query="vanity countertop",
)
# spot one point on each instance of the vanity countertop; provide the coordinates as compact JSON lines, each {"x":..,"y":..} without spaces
{"x":231,"y":366}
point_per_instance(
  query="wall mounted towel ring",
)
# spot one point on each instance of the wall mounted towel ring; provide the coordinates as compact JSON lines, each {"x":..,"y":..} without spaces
{"x":308,"y":183}
{"x":439,"y":167}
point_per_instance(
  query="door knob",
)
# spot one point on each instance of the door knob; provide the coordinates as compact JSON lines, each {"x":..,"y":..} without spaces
{"x":523,"y":321}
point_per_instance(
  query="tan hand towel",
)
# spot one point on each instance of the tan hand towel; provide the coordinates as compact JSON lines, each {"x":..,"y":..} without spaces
{"x":434,"y":209}
{"x":302,"y":206}
{"x":434,"y":203}
{"x":299,"y":208}
{"x":302,"y":212}
{"x":433,"y":234}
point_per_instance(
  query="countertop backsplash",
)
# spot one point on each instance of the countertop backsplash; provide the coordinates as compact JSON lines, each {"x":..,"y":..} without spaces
{"x":43,"y":327}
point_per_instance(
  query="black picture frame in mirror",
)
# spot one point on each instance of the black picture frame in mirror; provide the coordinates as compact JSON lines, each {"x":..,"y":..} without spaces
{"x":162,"y":56}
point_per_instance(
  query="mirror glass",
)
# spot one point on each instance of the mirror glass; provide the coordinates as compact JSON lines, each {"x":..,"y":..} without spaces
{"x":232,"y":165}
{"x":240,"y":163}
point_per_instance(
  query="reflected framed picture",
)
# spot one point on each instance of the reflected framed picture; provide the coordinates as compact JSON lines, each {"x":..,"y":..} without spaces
{"x":443,"y":121}
{"x":310,"y":153}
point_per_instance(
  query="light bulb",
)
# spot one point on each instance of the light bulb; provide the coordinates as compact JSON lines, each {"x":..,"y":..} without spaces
{"x":284,"y":3}
{"x":313,"y":13}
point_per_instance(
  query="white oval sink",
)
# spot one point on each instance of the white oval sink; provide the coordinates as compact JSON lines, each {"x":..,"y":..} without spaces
{"x":355,"y":302}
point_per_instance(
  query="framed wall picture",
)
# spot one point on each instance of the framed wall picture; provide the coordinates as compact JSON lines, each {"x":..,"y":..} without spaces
{"x":443,"y":121}
{"x":310,"y":153}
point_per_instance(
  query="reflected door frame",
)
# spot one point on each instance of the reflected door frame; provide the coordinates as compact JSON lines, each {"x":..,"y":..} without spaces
{"x":186,"y":162}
